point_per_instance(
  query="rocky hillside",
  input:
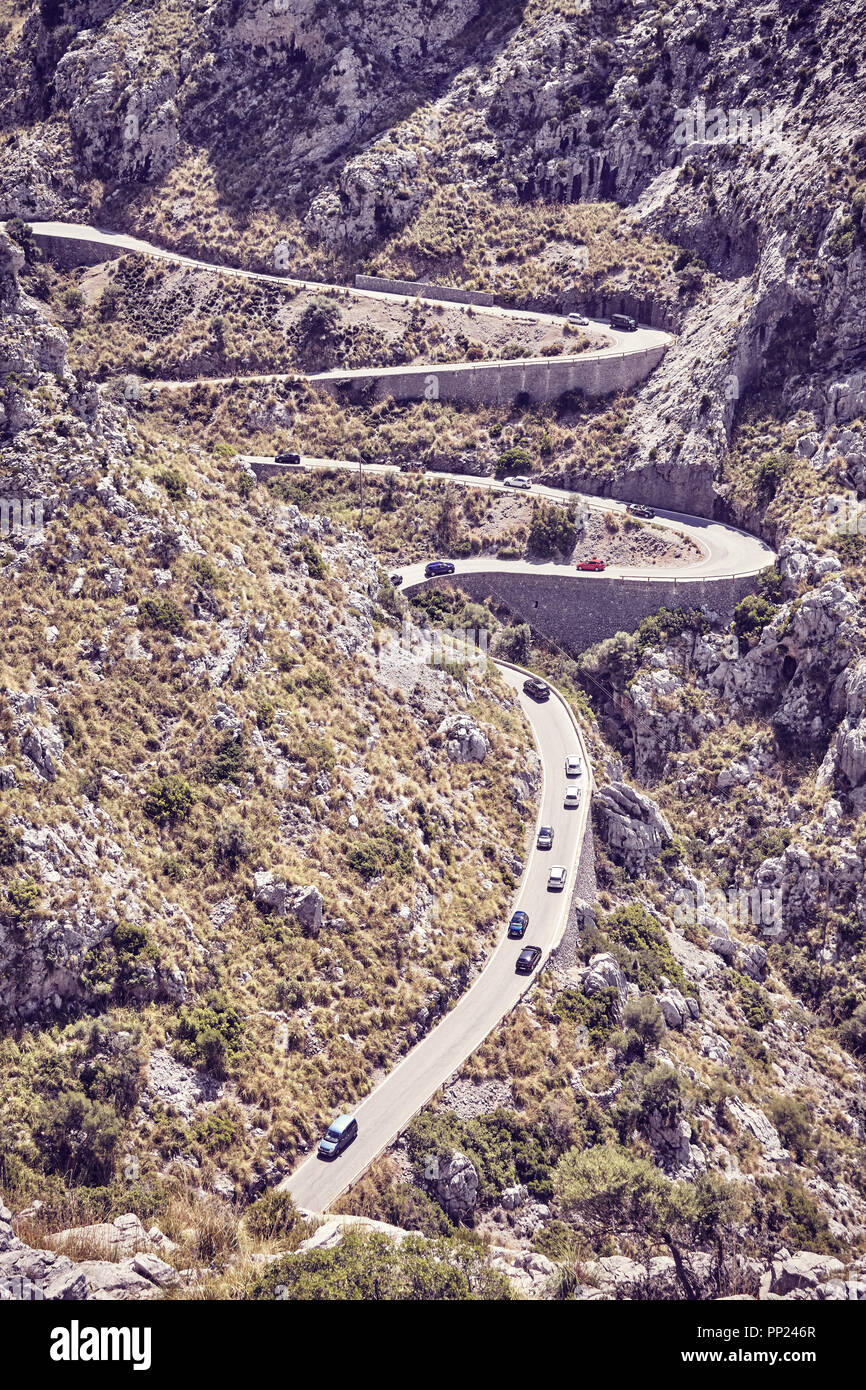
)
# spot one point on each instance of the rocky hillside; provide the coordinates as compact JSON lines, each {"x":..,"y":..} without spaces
{"x":237,"y":807}
{"x":239,"y":804}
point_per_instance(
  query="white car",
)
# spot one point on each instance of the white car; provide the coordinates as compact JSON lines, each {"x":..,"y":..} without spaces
{"x":572,"y":798}
{"x":518,"y":481}
{"x":556,"y":878}
{"x":573,"y":767}
{"x":578,"y":319}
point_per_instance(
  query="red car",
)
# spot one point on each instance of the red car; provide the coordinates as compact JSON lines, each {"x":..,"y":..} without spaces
{"x":592,"y":564}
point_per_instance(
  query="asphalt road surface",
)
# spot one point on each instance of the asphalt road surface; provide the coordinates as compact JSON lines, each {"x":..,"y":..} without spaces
{"x":387,"y":1110}
{"x":725,"y":551}
{"x":118,"y":243}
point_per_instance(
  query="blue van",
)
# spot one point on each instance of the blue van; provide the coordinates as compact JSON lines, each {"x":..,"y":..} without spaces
{"x":339,"y":1136}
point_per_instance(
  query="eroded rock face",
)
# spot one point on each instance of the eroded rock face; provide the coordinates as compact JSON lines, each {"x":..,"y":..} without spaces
{"x":27,"y":1273}
{"x":456,"y":1186}
{"x":630,"y":824}
{"x":273,"y":894}
{"x":464,"y":741}
{"x":755,"y":1122}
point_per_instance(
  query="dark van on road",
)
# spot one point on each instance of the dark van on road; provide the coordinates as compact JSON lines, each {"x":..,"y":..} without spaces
{"x":537,"y":689}
{"x":624,"y":322}
{"x":339,"y":1136}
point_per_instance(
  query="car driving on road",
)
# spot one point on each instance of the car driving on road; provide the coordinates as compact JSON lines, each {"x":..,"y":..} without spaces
{"x":640,"y":509}
{"x":438,"y":567}
{"x":624,"y":322}
{"x":573,"y":765}
{"x":517,"y":481}
{"x":537,"y":689}
{"x":528,"y":959}
{"x":545,"y":837}
{"x":518,"y":924}
{"x":578,"y":319}
{"x":572,"y":798}
{"x":288,"y":460}
{"x":556,"y":878}
{"x":593,"y":564}
{"x":338,"y":1137}
{"x":396,"y":580}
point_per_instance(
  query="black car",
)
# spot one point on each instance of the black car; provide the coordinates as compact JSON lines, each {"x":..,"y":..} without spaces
{"x":438,"y":567}
{"x":545,"y":837}
{"x":528,"y":959}
{"x":640,"y":509}
{"x":518,"y":924}
{"x":288,"y":460}
{"x":396,"y":580}
{"x":624,"y":322}
{"x":537,"y":689}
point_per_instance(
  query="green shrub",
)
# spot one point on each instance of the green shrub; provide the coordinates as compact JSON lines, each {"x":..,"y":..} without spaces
{"x":644,"y":1022}
{"x":231,"y":845}
{"x":651,"y":956}
{"x":753,"y":1000}
{"x":22,"y":898}
{"x":792,"y":1120}
{"x":594,"y":1012}
{"x":552,"y":530}
{"x":515,"y":460}
{"x":211,"y":1035}
{"x":315,"y":563}
{"x":217,"y":1131}
{"x":368,"y":1267}
{"x":752,"y":614}
{"x":229,"y":762}
{"x":169,"y":799}
{"x":77,"y":1137}
{"x":791,"y":1215}
{"x":10,"y":844}
{"x":388,"y":848}
{"x":161,"y":612}
{"x":274,"y":1217}
{"x":173,"y":483}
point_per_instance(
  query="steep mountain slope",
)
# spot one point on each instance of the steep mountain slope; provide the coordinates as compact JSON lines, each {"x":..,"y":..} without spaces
{"x":212,"y":740}
{"x":240,"y":804}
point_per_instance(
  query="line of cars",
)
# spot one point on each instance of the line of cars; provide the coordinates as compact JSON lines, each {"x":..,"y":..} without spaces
{"x":557,"y":877}
{"x":344,"y":1129}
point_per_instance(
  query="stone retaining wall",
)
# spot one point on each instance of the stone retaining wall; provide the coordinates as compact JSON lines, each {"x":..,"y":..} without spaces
{"x":425,"y":289}
{"x":487,"y":383}
{"x":577,"y":613}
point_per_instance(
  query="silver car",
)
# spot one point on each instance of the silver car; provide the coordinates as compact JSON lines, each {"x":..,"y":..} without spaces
{"x":572,"y":798}
{"x":519,"y":480}
{"x":556,"y":878}
{"x":573,"y":767}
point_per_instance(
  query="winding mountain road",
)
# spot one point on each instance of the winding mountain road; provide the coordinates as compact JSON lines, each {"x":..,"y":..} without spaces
{"x":616,"y":343}
{"x":721,"y":552}
{"x":724,"y":551}
{"x":316,"y":1184}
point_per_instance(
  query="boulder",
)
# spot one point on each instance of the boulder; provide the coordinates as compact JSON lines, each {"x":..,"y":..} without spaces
{"x":270,"y":892}
{"x":464,"y":741}
{"x":675,"y":1008}
{"x":631,"y":825}
{"x":44,"y":748}
{"x":603,"y":972}
{"x":456,"y":1186}
{"x":306,"y":903}
{"x":804,"y":1270}
{"x":755,"y":1122}
{"x":512,"y":1197}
